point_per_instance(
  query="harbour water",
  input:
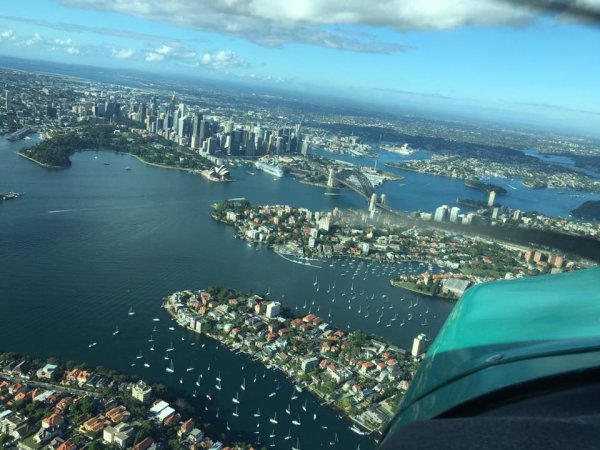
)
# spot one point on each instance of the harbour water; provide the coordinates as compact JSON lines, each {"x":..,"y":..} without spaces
{"x":85,"y":244}
{"x":423,"y":192}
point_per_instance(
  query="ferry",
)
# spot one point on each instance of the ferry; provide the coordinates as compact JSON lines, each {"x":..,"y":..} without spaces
{"x":358,"y":431}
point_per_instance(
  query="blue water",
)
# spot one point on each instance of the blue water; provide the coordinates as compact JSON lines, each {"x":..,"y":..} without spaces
{"x":85,"y":244}
{"x":424,"y":192}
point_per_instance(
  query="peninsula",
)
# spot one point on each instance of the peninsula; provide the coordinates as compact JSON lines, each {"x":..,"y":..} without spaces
{"x":68,"y":406}
{"x":359,"y":375}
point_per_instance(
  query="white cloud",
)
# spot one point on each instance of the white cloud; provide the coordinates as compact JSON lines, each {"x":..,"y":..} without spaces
{"x":154,"y":57}
{"x":33,"y":40}
{"x":7,"y":35}
{"x":276,"y":22}
{"x":63,"y":42}
{"x":122,"y":53}
{"x":164,"y":49}
{"x":72,"y":50}
{"x":223,"y":59}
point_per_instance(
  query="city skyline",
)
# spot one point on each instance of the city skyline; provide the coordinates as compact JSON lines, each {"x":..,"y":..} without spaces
{"x":484,"y":59}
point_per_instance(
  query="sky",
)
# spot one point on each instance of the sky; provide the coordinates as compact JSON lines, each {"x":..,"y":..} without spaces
{"x":512,"y":59}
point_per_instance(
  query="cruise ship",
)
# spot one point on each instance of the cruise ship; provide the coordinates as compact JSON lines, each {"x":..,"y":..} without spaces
{"x":272,"y":169}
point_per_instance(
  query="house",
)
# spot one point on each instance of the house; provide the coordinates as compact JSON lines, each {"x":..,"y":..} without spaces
{"x":47,"y":371}
{"x":120,"y":434}
{"x":144,"y":444}
{"x":309,"y":363}
{"x":186,"y":427}
{"x":141,"y":392}
{"x":53,"y":420}
{"x":67,"y":446}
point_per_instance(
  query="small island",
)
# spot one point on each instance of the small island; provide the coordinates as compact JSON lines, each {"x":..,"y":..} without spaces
{"x":588,"y":210}
{"x":474,"y":183}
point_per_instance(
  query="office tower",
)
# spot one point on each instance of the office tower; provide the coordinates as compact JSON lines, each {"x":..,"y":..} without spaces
{"x":441,"y":213}
{"x":383,"y":199}
{"x":305,"y":147}
{"x":273,"y":309}
{"x":6,"y":99}
{"x":516,"y":215}
{"x":211,"y":145}
{"x":491,"y":198}
{"x":454,"y":212}
{"x":204,"y":131}
{"x":143,"y":112}
{"x":495,"y":212}
{"x":279,"y":145}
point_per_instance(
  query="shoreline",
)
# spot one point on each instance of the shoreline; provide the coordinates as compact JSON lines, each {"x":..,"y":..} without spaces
{"x":416,"y":291}
{"x":39,"y":163}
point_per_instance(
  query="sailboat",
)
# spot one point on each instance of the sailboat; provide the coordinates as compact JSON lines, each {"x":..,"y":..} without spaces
{"x":116,"y":330}
{"x":194,"y":394}
{"x":316,"y":281}
{"x":189,"y":369}
{"x":217,"y":415}
{"x":218,"y":385}
{"x":171,"y":348}
{"x":254,"y":381}
{"x":335,"y":440}
{"x":297,"y":447}
{"x":156,"y":319}
{"x":296,"y":422}
{"x":208,"y":396}
{"x":227,"y":425}
{"x":236,"y":399}
{"x":289,"y":435}
{"x":146,"y":365}
{"x":272,"y":435}
{"x":243,"y":385}
{"x":218,"y":376}
{"x":288,"y":408}
{"x":140,"y":356}
{"x":93,"y":344}
{"x":131,"y":313}
{"x":304,"y":406}
{"x":274,"y":418}
{"x":235,"y":413}
{"x":198,"y":380}
{"x":170,"y":369}
{"x":152,"y":348}
{"x":257,"y":413}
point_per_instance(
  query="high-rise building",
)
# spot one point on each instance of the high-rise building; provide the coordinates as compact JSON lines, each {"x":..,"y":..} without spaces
{"x":418,"y":345}
{"x":6,"y":99}
{"x":441,"y":213}
{"x":373,"y":202}
{"x":273,"y":309}
{"x":491,"y":198}
{"x":454,"y":212}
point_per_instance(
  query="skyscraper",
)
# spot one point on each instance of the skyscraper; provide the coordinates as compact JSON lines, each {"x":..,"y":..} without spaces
{"x":441,"y":213}
{"x":454,"y":212}
{"x":491,"y":198}
{"x":418,"y":345}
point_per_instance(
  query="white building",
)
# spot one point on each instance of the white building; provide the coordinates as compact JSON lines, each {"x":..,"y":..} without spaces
{"x":441,"y":213}
{"x":454,"y":212}
{"x":418,"y":345}
{"x":273,"y":309}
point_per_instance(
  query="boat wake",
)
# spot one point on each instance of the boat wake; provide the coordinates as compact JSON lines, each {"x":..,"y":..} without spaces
{"x":59,"y":211}
{"x":304,"y":263}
